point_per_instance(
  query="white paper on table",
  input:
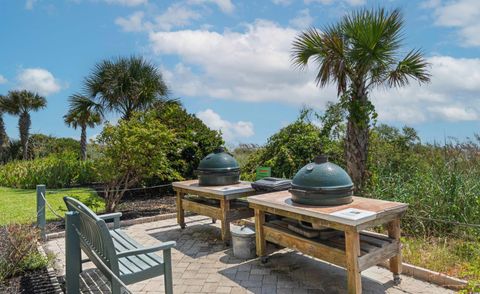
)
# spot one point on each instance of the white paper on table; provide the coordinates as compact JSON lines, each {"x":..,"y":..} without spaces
{"x":354,"y":214}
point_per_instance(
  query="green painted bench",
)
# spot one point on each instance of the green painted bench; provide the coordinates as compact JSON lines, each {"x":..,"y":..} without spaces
{"x":120,"y":258}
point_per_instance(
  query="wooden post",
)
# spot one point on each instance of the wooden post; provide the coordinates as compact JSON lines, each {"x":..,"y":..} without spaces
{"x":396,"y":261}
{"x":261,"y":243}
{"x":41,"y":217}
{"x":225,"y":207}
{"x":180,"y":211}
{"x":73,"y":255}
{"x":352,"y":249}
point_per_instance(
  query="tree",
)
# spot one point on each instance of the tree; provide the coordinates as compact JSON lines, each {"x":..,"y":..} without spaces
{"x":133,"y":150}
{"x":125,"y":85}
{"x":193,"y":139}
{"x":358,"y":54}
{"x":83,"y":113}
{"x":3,"y":132}
{"x":21,"y":103}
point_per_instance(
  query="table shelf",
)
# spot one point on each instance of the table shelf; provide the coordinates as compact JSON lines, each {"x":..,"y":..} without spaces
{"x":374,"y":248}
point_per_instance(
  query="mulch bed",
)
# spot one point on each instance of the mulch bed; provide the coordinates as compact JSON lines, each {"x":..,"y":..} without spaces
{"x":34,"y":282}
{"x":133,"y":207}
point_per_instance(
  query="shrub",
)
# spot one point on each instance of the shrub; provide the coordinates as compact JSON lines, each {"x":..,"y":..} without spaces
{"x":19,"y":254}
{"x":291,"y":148}
{"x":55,"y":171}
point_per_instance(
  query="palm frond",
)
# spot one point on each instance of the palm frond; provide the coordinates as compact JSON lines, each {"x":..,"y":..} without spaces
{"x":413,"y":66}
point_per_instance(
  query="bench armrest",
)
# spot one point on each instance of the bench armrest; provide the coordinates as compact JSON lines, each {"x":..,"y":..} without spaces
{"x":163,"y":246}
{"x":115,"y":216}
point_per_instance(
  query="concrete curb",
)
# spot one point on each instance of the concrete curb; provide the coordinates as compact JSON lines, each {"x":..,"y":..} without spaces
{"x":430,"y":276}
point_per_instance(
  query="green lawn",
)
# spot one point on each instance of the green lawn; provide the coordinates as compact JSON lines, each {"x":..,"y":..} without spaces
{"x":19,"y":205}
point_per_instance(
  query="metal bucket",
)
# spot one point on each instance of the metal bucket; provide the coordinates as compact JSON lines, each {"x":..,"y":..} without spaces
{"x":243,"y":242}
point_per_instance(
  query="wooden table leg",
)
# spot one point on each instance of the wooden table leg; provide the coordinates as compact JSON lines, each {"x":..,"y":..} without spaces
{"x":261,"y":243}
{"x":180,"y":211}
{"x":396,"y":261}
{"x":352,"y":249}
{"x":225,"y":207}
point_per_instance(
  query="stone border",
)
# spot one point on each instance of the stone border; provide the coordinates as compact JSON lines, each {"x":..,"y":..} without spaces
{"x":433,"y":277}
{"x":51,"y":272}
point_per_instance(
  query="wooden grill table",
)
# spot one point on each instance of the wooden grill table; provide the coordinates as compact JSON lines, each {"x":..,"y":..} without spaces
{"x":217,"y":202}
{"x":354,"y":249}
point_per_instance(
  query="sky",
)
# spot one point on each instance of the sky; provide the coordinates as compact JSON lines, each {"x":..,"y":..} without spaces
{"x":229,"y":60}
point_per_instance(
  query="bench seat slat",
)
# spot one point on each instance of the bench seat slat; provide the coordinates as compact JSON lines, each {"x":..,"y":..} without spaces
{"x":123,"y":242}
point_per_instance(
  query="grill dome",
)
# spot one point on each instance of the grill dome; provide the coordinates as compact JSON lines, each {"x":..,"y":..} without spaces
{"x":218,"y":168}
{"x":322,"y":183}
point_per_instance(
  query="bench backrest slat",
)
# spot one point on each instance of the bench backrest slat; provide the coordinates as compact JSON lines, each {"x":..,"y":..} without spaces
{"x":94,"y":235}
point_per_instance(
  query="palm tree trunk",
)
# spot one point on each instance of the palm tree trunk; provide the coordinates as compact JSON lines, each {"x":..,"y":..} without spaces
{"x":356,"y":149}
{"x":24,"y":123}
{"x":356,"y":145}
{"x":83,"y":143}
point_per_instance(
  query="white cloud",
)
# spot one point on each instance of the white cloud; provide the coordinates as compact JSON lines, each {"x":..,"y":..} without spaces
{"x":254,"y":65}
{"x":463,"y":15}
{"x":302,"y":20}
{"x":29,"y":4}
{"x":176,"y":15}
{"x":224,"y":5}
{"x":3,"y":80}
{"x":452,"y":95}
{"x":133,"y":23}
{"x":38,"y":80}
{"x":231,"y":131}
{"x":127,"y":2}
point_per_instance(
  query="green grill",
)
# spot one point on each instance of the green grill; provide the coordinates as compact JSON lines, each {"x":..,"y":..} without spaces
{"x":218,"y":169}
{"x":322,"y":183}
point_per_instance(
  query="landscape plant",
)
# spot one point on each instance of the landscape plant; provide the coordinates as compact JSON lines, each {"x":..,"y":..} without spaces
{"x":55,"y":171}
{"x":21,"y":103}
{"x":83,"y":113}
{"x":133,"y":150}
{"x":358,"y":54}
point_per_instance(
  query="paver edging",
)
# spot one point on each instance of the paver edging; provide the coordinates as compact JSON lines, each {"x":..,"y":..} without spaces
{"x":430,"y":276}
{"x":50,"y":271}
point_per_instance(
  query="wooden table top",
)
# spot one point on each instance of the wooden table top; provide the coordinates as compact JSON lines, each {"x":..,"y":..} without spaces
{"x":192,"y":185}
{"x":375,"y":208}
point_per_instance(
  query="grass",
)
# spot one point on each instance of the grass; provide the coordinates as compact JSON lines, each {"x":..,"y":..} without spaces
{"x":19,"y":205}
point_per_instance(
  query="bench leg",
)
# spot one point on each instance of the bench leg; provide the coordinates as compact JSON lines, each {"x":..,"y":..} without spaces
{"x":73,"y":253}
{"x":180,"y":211}
{"x":116,"y":288}
{"x":167,"y":263}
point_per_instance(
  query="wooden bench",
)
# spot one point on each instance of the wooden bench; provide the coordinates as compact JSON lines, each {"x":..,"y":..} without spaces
{"x":120,"y":258}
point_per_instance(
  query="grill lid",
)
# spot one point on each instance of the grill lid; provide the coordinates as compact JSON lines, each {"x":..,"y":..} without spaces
{"x":322,"y":175}
{"x":218,"y":162}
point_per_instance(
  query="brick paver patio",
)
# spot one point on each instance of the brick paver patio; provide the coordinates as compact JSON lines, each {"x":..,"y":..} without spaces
{"x":201,"y":264}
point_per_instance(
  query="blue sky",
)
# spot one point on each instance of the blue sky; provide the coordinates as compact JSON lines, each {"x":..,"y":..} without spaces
{"x":228,"y":60}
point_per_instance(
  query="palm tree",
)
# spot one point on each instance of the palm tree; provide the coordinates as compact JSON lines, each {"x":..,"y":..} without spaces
{"x":358,"y":54}
{"x":83,"y":113}
{"x":21,"y":103}
{"x":125,"y":85}
{"x":3,"y":132}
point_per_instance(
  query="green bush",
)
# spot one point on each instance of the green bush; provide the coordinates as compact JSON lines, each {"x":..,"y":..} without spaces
{"x":293,"y":147}
{"x":55,"y":171}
